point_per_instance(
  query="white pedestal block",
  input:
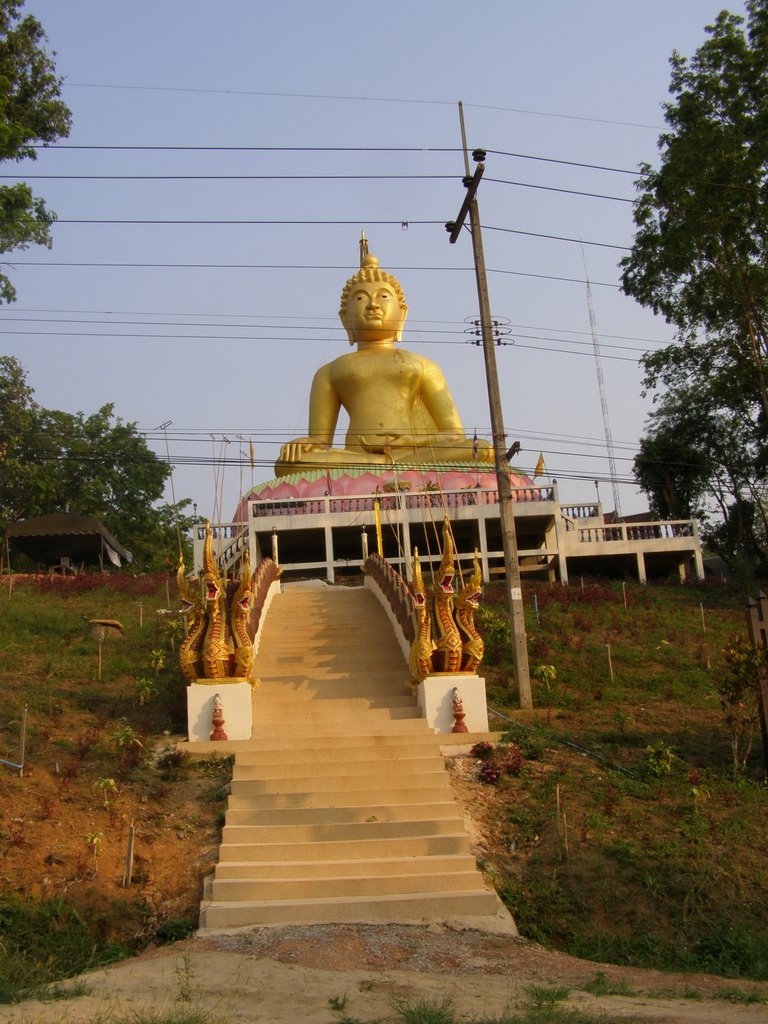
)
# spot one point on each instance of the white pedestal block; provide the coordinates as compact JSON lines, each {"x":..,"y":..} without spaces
{"x":237,"y":709}
{"x":435,"y":696}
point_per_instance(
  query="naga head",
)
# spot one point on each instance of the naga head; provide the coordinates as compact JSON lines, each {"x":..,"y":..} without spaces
{"x":242,"y":596}
{"x":211,"y":579}
{"x":419,"y":593}
{"x":446,"y":571}
{"x":188,"y":596}
{"x":472,"y":591}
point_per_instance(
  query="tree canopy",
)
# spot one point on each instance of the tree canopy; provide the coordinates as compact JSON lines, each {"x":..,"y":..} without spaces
{"x":700,"y":259}
{"x":97,"y":464}
{"x":31,"y":112}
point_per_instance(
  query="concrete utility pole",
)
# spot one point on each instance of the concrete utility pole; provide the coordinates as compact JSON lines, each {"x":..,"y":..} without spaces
{"x":506,"y":512}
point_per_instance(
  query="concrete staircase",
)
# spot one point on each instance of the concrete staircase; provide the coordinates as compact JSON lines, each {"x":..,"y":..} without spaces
{"x":340,"y":808}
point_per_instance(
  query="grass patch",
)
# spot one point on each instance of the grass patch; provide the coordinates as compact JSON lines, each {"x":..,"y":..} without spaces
{"x":42,"y":943}
{"x":602,"y":985}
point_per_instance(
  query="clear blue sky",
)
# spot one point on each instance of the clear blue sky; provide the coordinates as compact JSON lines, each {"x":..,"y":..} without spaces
{"x":222,"y":351}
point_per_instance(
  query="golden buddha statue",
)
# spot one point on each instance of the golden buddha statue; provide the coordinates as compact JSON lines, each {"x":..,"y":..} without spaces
{"x":400,"y":407}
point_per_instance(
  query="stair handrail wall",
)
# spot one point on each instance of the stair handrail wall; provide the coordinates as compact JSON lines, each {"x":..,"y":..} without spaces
{"x":265,"y":575}
{"x":395,"y":595}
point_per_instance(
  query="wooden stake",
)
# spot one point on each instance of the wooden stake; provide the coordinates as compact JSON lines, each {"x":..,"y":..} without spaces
{"x":703,"y":622}
{"x":610,"y":662}
{"x":100,"y":643}
{"x":128,"y":872}
{"x":141,"y":614}
{"x":565,"y":835}
{"x":624,"y":593}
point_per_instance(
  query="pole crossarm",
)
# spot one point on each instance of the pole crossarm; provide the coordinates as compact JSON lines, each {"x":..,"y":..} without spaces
{"x":471,"y":184}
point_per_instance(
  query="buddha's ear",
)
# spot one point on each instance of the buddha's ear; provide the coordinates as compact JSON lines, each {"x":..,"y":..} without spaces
{"x":401,"y":325}
{"x":350,"y":336}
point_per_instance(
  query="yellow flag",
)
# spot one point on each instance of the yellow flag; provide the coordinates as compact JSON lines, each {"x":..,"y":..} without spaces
{"x":252,"y":454}
{"x":540,"y":468}
{"x":379,"y":538}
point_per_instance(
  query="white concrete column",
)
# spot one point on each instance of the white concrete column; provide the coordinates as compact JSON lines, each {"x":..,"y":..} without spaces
{"x":329,"y":573}
{"x":483,"y":540}
{"x":697,"y":558}
{"x":641,"y":567}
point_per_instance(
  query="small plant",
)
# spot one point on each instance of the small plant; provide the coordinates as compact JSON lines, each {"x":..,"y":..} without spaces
{"x":544,"y":997}
{"x":175,"y":764}
{"x":489,"y":774}
{"x":546,"y":674}
{"x":602,"y":985}
{"x":425,"y":1011}
{"x":660,"y":759}
{"x":125,"y":737}
{"x":483,"y":751}
{"x":739,"y":691}
{"x":184,"y":979}
{"x":157,"y":660}
{"x":108,"y":788}
{"x":145,"y":689}
{"x":512,"y":760}
{"x":93,"y":842}
{"x":47,"y":807}
{"x":339,"y":1003}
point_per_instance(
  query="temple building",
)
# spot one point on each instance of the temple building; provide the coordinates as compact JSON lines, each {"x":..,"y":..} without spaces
{"x":406,"y":463}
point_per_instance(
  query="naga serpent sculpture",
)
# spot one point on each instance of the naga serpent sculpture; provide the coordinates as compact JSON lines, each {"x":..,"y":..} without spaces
{"x":467,"y":603}
{"x":240,"y":610}
{"x":420,"y":654}
{"x":191,"y":648}
{"x":447,"y":656}
{"x":218,"y":648}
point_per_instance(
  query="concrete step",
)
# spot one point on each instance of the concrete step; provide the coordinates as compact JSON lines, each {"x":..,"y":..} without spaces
{"x":352,"y":849}
{"x":410,"y":742}
{"x":339,"y":752}
{"x":437,"y":791}
{"x":237,"y":890}
{"x":304,"y":730}
{"x":456,"y":862}
{"x":332,"y":786}
{"x":344,"y":832}
{"x":339,"y":710}
{"x":377,"y":768}
{"x":374,"y":811}
{"x":422,"y":907}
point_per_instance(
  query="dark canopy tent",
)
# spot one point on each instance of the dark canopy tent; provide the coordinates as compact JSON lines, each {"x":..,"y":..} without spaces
{"x":81,"y":539}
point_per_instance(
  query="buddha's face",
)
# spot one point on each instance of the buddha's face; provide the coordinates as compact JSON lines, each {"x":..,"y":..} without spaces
{"x":373,"y":314}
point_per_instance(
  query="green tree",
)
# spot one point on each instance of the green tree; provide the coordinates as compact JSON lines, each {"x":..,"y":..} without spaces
{"x":99,"y":465}
{"x":704,"y":453}
{"x":700,"y":259}
{"x":700,"y":253}
{"x":31,"y":112}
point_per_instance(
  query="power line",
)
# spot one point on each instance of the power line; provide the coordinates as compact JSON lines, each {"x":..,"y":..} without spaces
{"x":330,"y":320}
{"x":362,"y":99}
{"x":302,"y":177}
{"x":297,"y":266}
{"x":109,"y":148}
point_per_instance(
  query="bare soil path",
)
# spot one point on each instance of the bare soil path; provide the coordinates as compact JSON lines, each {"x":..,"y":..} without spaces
{"x":289,"y":975}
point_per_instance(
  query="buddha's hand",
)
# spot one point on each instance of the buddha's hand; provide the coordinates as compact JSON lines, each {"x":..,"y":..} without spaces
{"x":382,"y":444}
{"x":294,"y":450}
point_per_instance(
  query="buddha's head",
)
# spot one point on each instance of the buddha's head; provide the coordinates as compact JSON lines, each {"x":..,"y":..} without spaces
{"x":373,"y":307}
